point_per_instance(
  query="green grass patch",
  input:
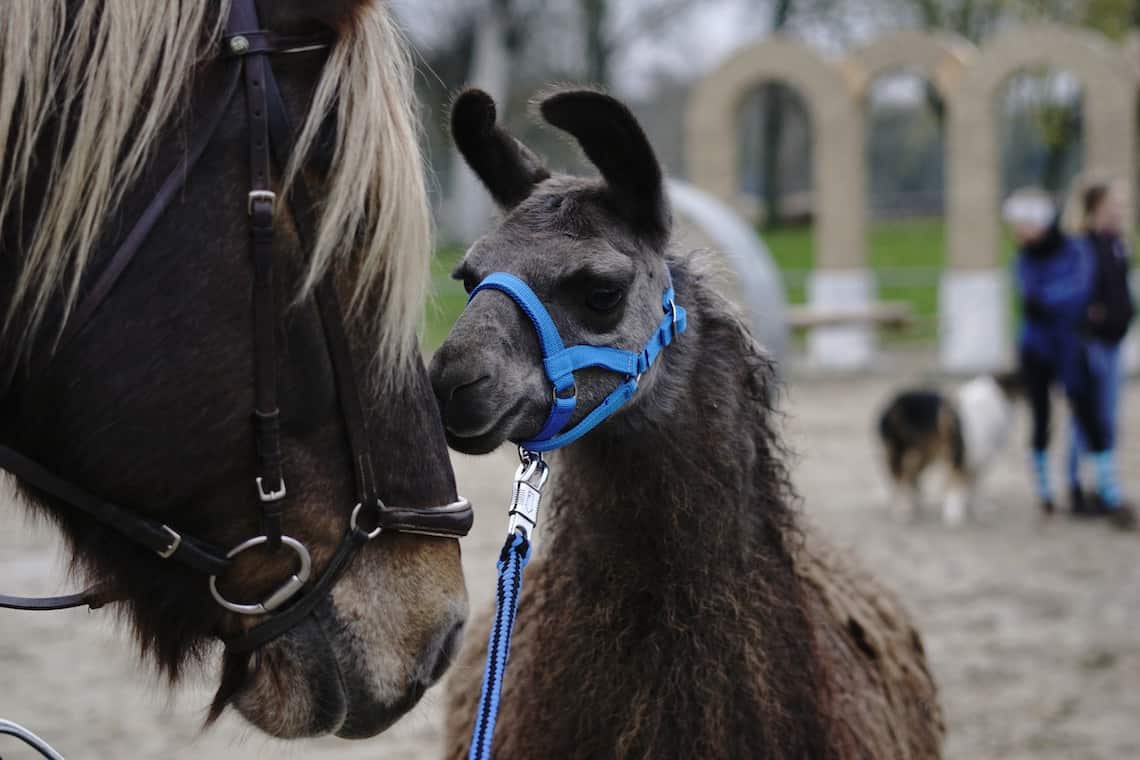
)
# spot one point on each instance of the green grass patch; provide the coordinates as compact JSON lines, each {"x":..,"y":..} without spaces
{"x":907,"y":255}
{"x":447,"y":297}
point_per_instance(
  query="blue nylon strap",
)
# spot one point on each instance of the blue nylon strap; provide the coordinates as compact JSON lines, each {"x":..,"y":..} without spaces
{"x":512,"y":560}
{"x":560,"y":412}
{"x":521,"y":294}
{"x":560,"y":362}
{"x":566,"y":361}
{"x":616,"y":400}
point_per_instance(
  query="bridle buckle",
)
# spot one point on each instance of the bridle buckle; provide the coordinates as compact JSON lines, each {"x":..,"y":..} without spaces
{"x":175,"y":542}
{"x":261,"y":195}
{"x":276,"y":494}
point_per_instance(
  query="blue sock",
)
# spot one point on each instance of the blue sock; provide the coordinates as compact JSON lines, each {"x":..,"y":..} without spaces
{"x":1107,"y":486}
{"x":1041,"y":471}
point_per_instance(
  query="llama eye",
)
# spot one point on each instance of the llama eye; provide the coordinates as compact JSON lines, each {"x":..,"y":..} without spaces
{"x":469,"y":281}
{"x":604,"y":300}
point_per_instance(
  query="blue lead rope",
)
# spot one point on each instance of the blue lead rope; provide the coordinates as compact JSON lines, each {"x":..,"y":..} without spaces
{"x":529,"y":481}
{"x":512,"y":559}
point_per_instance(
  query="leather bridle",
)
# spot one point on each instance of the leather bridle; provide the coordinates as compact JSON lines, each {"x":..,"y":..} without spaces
{"x":246,"y":52}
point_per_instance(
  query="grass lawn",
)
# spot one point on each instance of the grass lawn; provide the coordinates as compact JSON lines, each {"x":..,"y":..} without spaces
{"x":907,"y":256}
{"x":447,"y":297}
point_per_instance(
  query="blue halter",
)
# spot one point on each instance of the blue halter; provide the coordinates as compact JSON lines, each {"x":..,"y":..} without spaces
{"x":560,"y":362}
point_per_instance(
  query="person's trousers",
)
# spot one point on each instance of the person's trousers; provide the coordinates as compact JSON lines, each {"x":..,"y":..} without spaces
{"x":1106,"y":375}
{"x":1039,"y":374}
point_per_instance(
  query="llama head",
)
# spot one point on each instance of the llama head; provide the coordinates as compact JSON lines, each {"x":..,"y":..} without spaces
{"x":592,"y":249}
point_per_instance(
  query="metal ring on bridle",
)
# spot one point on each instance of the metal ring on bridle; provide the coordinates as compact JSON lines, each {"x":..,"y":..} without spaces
{"x":287,"y":591}
{"x":355,"y":528}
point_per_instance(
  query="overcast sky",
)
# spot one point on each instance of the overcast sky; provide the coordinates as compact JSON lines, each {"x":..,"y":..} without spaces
{"x":703,"y":36}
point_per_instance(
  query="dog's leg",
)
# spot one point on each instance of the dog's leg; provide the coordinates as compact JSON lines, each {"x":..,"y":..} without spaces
{"x":959,"y":501}
{"x":913,"y":464}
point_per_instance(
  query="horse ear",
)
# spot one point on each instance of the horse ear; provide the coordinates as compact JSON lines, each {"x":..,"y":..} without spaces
{"x":508,"y":168}
{"x":615,"y":143}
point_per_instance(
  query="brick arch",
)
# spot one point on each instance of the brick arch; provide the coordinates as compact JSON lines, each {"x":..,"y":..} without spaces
{"x":1109,"y":83}
{"x":972,"y":299}
{"x":712,"y":149}
{"x":942,"y":58}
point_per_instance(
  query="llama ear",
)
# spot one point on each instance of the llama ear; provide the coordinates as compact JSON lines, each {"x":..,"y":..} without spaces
{"x":615,"y":143}
{"x":508,"y":168}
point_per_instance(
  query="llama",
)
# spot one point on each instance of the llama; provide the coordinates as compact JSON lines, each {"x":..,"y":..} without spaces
{"x":678,"y":608}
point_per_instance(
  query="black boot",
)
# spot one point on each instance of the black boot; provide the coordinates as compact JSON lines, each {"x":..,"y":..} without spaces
{"x":1077,"y":501}
{"x":1086,"y":504}
{"x":1122,"y":517}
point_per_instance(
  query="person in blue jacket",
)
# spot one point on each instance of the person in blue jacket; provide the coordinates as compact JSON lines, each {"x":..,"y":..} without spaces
{"x":1054,"y":275}
{"x":1108,"y":316}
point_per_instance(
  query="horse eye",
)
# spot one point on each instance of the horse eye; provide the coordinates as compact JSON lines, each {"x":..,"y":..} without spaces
{"x":603,"y":300}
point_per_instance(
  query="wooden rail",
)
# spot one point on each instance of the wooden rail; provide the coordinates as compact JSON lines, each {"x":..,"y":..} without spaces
{"x":891,"y":315}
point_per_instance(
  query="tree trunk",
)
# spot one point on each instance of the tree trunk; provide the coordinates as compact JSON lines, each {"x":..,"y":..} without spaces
{"x":772,"y":131}
{"x":597,"y":51}
{"x":773,"y":137}
{"x":470,"y":206}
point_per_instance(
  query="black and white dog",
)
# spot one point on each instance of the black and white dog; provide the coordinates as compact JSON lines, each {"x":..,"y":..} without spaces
{"x":963,"y":432}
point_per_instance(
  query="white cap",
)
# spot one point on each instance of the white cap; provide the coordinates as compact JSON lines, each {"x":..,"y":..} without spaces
{"x":1029,"y":208}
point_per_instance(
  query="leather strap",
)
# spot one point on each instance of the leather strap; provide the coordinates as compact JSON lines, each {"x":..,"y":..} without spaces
{"x":261,"y":205}
{"x":332,"y":317}
{"x":453,"y":520}
{"x":93,"y":598}
{"x":159,"y":538}
{"x":261,"y":41}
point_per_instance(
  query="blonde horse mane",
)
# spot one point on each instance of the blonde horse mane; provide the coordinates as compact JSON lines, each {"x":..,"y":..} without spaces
{"x":120,"y":72}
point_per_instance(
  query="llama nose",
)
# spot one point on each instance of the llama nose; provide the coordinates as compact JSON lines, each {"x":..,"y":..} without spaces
{"x":466,"y":407}
{"x":456,"y":383}
{"x":456,"y":390}
{"x":468,"y":389}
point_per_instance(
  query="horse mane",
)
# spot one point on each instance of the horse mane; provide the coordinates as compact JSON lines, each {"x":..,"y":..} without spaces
{"x":116,"y":76}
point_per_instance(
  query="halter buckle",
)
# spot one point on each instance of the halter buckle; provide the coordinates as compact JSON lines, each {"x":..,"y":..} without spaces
{"x":175,"y":542}
{"x":573,"y":391}
{"x":261,"y":195}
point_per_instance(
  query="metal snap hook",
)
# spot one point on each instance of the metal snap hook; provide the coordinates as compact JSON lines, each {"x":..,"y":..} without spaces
{"x":287,"y":590}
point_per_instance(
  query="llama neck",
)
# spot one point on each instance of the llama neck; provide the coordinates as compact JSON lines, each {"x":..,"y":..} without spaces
{"x":665,"y":545}
{"x":686,"y":474}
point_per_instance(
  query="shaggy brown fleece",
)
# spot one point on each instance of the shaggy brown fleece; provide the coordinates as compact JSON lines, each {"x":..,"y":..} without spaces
{"x":678,"y":609}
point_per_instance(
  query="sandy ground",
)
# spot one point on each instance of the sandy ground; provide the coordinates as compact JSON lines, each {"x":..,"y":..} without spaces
{"x":1032,"y":626}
